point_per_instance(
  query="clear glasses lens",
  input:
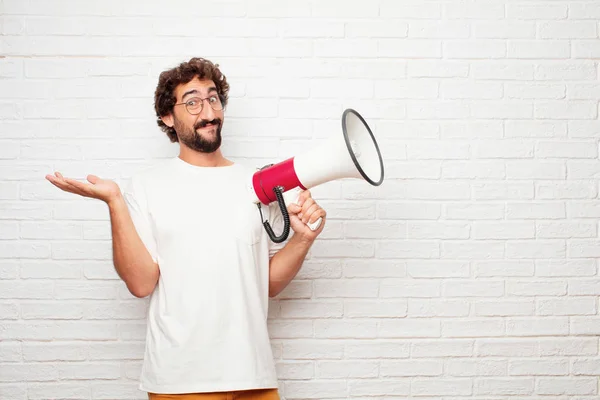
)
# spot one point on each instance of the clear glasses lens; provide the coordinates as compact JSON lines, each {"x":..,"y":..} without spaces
{"x":194,"y":105}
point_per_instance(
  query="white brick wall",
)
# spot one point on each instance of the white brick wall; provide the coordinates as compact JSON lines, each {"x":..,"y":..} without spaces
{"x":470,"y":274}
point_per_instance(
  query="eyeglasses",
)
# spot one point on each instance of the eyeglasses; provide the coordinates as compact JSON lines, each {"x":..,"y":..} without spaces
{"x":195,"y":104}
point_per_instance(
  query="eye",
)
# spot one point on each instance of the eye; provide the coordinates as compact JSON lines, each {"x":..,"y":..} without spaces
{"x":192,"y":102}
{"x":213,"y":99}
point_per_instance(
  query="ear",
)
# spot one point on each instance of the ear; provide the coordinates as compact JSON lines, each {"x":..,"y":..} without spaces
{"x":168,"y":120}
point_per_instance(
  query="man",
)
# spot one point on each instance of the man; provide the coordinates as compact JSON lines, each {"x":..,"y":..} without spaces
{"x":186,"y":233}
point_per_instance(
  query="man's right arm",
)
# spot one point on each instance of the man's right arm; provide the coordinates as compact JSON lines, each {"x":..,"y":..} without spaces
{"x":131,"y":259}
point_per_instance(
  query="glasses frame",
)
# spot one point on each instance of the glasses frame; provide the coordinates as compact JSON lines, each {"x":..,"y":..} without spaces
{"x":201,"y":102}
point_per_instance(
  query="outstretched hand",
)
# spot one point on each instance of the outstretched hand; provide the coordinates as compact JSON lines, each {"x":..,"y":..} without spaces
{"x":306,"y":211}
{"x":97,"y":188}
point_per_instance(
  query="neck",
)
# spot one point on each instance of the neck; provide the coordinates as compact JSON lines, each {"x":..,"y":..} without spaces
{"x":198,"y":159}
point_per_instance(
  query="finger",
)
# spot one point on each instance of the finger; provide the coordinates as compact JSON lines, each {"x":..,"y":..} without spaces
{"x":320,"y":213}
{"x":306,"y":215}
{"x":294,"y":208}
{"x":78,"y":185}
{"x":80,"y":188}
{"x":307,"y":204}
{"x":63,"y":186}
{"x":56,"y":181}
{"x":305,"y":194}
{"x":294,"y":220}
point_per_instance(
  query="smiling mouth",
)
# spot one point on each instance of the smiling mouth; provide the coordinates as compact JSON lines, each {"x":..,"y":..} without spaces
{"x":207,"y":127}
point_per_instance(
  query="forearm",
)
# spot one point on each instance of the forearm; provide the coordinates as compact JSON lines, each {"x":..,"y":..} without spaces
{"x":286,"y":263}
{"x":131,"y":259}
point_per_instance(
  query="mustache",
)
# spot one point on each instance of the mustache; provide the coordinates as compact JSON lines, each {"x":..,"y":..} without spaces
{"x":203,"y":123}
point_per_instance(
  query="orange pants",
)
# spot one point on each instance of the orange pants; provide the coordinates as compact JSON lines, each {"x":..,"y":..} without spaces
{"x":258,"y":394}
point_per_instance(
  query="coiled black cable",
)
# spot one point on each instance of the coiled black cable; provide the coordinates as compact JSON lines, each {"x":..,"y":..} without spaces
{"x":286,"y":218}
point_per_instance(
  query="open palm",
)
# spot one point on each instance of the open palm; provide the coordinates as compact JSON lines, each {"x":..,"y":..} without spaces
{"x":97,"y":188}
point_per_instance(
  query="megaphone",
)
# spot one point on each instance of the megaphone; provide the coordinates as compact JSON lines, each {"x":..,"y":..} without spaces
{"x":355,"y":154}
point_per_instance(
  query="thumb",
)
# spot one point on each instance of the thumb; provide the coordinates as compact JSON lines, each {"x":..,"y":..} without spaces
{"x":93,"y":179}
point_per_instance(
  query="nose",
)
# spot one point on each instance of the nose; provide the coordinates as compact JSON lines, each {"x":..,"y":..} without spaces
{"x":207,"y":112}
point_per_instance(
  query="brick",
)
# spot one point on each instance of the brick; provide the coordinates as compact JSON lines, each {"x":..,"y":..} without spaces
{"x":506,"y":347}
{"x":438,"y":308}
{"x":434,"y":68}
{"x":291,"y":370}
{"x":574,"y":306}
{"x":568,"y":386}
{"x":504,"y":308}
{"x":467,"y":328}
{"x":504,"y":386}
{"x":345,"y":329}
{"x":534,"y":11}
{"x":409,"y":288}
{"x":543,"y":326}
{"x":483,"y":69}
{"x":504,"y":149}
{"x":536,"y":91}
{"x":469,"y":211}
{"x":504,"y":30}
{"x":407,"y":48}
{"x":391,"y":8}
{"x":441,"y":387}
{"x":376,"y":349}
{"x":310,"y":309}
{"x":585,"y":287}
{"x":375,"y":309}
{"x":476,"y":367}
{"x":347,"y":369}
{"x":438,"y":29}
{"x":538,"y":49}
{"x":474,"y":49}
{"x":312,"y":348}
{"x":379,"y":387}
{"x":586,"y":366}
{"x":504,"y":268}
{"x":584,"y":326}
{"x":442,"y":348}
{"x":409,"y":328}
{"x":538,"y":367}
{"x":567,"y":30}
{"x":565,"y":70}
{"x":574,"y":109}
{"x":412,"y":368}
{"x":569,"y":347}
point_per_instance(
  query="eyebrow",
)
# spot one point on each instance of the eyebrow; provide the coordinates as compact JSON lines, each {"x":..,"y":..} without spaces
{"x":194,"y":91}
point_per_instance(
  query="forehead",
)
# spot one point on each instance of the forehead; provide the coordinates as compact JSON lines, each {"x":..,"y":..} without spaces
{"x":202,"y":86}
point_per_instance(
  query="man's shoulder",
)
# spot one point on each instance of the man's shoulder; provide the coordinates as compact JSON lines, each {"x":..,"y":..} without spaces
{"x":151,"y":173}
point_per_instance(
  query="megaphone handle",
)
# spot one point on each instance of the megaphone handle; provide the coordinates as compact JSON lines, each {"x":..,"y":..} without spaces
{"x":315,"y":225}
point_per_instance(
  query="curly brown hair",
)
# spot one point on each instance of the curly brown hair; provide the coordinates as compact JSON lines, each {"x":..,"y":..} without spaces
{"x":164,"y":96}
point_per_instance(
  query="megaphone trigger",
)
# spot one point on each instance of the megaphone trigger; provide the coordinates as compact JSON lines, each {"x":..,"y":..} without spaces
{"x":315,"y":225}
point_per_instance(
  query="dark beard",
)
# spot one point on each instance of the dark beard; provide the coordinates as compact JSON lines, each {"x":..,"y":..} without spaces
{"x":195,"y":141}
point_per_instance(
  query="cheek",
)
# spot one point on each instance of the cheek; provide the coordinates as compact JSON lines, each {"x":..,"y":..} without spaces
{"x":185,"y":121}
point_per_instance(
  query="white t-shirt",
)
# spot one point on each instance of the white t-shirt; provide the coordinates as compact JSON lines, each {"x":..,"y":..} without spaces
{"x":207,"y":321}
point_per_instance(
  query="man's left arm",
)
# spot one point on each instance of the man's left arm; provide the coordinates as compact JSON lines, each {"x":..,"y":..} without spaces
{"x":286,"y":263}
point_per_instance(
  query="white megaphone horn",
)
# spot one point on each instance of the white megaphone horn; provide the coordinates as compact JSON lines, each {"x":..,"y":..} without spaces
{"x":355,"y":154}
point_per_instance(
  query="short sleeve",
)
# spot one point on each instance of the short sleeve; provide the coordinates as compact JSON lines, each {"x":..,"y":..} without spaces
{"x":137,"y":204}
